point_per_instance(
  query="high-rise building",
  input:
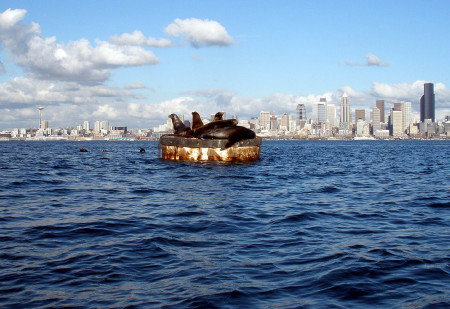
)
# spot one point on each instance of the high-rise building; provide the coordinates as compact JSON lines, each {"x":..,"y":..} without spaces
{"x":397,"y":123}
{"x":44,"y":124}
{"x":86,"y":127}
{"x":376,"y":120}
{"x":301,"y":112}
{"x":331,"y":115}
{"x":400,"y":107}
{"x":407,"y":118}
{"x":360,"y":114}
{"x":345,"y":113}
{"x":320,"y":111}
{"x":264,"y":120}
{"x":427,"y":107}
{"x":273,"y":122}
{"x":284,"y":125}
{"x":380,"y":106}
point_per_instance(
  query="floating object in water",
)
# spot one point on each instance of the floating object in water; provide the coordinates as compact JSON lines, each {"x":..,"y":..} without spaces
{"x":83,"y":150}
{"x":141,"y":149}
{"x":172,"y":147}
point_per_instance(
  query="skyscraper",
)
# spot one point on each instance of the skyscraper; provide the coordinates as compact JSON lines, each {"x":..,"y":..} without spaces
{"x":320,"y":111}
{"x":345,"y":113}
{"x":331,"y":114}
{"x":264,"y":120}
{"x":376,"y":119}
{"x":301,"y":112}
{"x":397,"y":123}
{"x":301,"y":116}
{"x":380,"y":106}
{"x":400,"y":107}
{"x":360,"y":114}
{"x":427,"y":103}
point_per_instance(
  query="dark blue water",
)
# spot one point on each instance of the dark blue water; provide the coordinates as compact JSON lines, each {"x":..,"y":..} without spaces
{"x":310,"y":225}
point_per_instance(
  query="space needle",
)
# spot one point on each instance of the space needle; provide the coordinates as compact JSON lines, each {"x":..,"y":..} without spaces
{"x":40,"y":108}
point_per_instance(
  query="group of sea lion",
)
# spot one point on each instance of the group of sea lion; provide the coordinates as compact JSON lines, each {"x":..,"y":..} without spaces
{"x":216,"y":129}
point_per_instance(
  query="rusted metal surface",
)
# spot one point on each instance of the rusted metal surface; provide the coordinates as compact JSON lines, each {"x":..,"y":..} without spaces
{"x":173,"y":147}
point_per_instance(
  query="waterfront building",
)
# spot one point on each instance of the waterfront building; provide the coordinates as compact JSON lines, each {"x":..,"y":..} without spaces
{"x":331,"y":115}
{"x":380,"y":106}
{"x":292,"y":124}
{"x":360,"y":114}
{"x":104,"y":126}
{"x":407,"y":110}
{"x":254,"y":124}
{"x":360,"y":127}
{"x":301,"y":116}
{"x":44,"y":124}
{"x":399,"y":107}
{"x":427,"y":104}
{"x":273,"y":123}
{"x":97,"y":127}
{"x":344,"y":125}
{"x":264,"y":120}
{"x":397,"y":123}
{"x":86,"y":127}
{"x":376,"y":120}
{"x":284,"y":125}
{"x":301,"y":112}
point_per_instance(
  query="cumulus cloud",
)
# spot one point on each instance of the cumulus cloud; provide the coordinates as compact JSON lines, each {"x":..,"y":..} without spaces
{"x":106,"y":112}
{"x":161,"y":110}
{"x":135,"y":85}
{"x":199,"y":33}
{"x":371,"y":60}
{"x":375,"y":61}
{"x":138,"y":38}
{"x":45,"y":58}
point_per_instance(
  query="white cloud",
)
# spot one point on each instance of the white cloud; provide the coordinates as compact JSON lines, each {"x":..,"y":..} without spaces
{"x":375,"y":61}
{"x":45,"y":58}
{"x":371,"y":60}
{"x":199,"y":32}
{"x":135,"y":85}
{"x":138,"y":38}
{"x":106,"y":112}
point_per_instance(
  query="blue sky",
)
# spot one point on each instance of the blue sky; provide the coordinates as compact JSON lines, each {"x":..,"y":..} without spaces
{"x":135,"y":62}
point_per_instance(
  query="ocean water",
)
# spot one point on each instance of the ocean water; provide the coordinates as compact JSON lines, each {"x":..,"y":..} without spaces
{"x":348,"y":224}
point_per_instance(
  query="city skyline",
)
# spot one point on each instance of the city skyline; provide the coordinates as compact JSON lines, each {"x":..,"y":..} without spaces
{"x":135,"y":63}
{"x":320,"y":113}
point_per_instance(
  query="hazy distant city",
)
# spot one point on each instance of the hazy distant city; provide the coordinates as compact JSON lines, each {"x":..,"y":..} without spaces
{"x":384,"y":122}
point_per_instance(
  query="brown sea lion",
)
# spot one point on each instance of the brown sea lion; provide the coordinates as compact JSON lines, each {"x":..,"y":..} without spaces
{"x":218,"y":116}
{"x":196,"y":121}
{"x":178,"y":125}
{"x":213,"y":125}
{"x":233,"y":134}
{"x":83,"y":150}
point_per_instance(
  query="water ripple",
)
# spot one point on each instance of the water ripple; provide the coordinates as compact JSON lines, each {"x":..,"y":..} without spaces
{"x":310,"y":225}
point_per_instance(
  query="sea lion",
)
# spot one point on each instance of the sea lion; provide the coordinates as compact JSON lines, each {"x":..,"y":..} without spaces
{"x":142,"y":150}
{"x":233,"y":134}
{"x":196,"y":121}
{"x":218,"y":116}
{"x":213,"y":125}
{"x":178,"y":125}
{"x":83,"y":150}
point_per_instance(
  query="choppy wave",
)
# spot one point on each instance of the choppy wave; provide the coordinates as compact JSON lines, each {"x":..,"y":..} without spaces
{"x":310,"y":225}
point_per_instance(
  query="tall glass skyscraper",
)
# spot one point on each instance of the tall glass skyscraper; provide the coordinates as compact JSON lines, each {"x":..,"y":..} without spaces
{"x":345,"y":110}
{"x":301,"y":112}
{"x":427,"y":103}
